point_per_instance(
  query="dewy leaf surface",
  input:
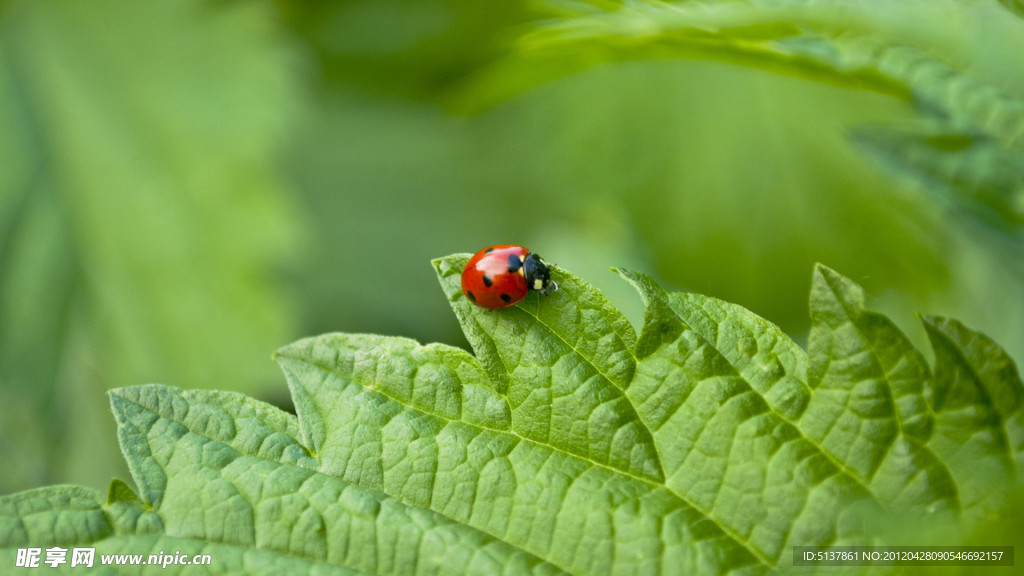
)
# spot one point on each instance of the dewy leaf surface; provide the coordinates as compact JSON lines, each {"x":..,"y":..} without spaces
{"x":709,"y":444}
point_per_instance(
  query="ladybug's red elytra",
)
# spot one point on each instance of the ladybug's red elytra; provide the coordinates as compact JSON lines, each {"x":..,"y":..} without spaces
{"x":500,"y":276}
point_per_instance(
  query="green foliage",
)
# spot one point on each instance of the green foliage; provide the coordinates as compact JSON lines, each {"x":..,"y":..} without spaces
{"x":142,"y":214}
{"x":140,"y":217}
{"x":148,"y":155}
{"x":412,"y":49}
{"x":709,"y":443}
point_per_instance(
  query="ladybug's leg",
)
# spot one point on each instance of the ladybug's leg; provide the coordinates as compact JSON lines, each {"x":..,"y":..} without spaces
{"x":551,"y":287}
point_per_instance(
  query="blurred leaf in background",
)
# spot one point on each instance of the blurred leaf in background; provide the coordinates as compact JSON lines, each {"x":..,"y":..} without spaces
{"x":413,"y":49}
{"x":142,"y":215}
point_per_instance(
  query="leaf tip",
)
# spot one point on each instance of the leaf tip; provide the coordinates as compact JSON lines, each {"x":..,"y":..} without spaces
{"x":119,"y":392}
{"x":637,"y":279}
{"x":827,"y":285}
{"x":825,"y":273}
{"x":281,"y":352}
{"x":117,"y":396}
{"x":939,"y":326}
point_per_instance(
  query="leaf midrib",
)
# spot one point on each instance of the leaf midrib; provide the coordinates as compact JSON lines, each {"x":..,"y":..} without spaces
{"x":622,"y":390}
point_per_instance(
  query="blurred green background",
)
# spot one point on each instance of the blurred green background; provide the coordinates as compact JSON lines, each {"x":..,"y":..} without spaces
{"x":187,"y":185}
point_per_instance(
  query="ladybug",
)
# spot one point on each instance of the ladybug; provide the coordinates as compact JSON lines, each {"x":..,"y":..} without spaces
{"x":500,"y":276}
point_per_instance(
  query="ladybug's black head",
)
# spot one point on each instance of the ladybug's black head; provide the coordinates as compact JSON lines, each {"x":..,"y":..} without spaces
{"x":537,"y":274}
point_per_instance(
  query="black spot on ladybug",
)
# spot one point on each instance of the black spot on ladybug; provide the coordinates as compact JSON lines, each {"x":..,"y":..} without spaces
{"x":488,"y":281}
{"x":506,"y":298}
{"x":470,"y":294}
{"x":489,"y":250}
{"x":514,"y":263}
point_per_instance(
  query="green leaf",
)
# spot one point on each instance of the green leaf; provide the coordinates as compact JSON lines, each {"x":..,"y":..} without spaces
{"x":910,"y":50}
{"x":711,"y":443}
{"x":746,"y":34}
